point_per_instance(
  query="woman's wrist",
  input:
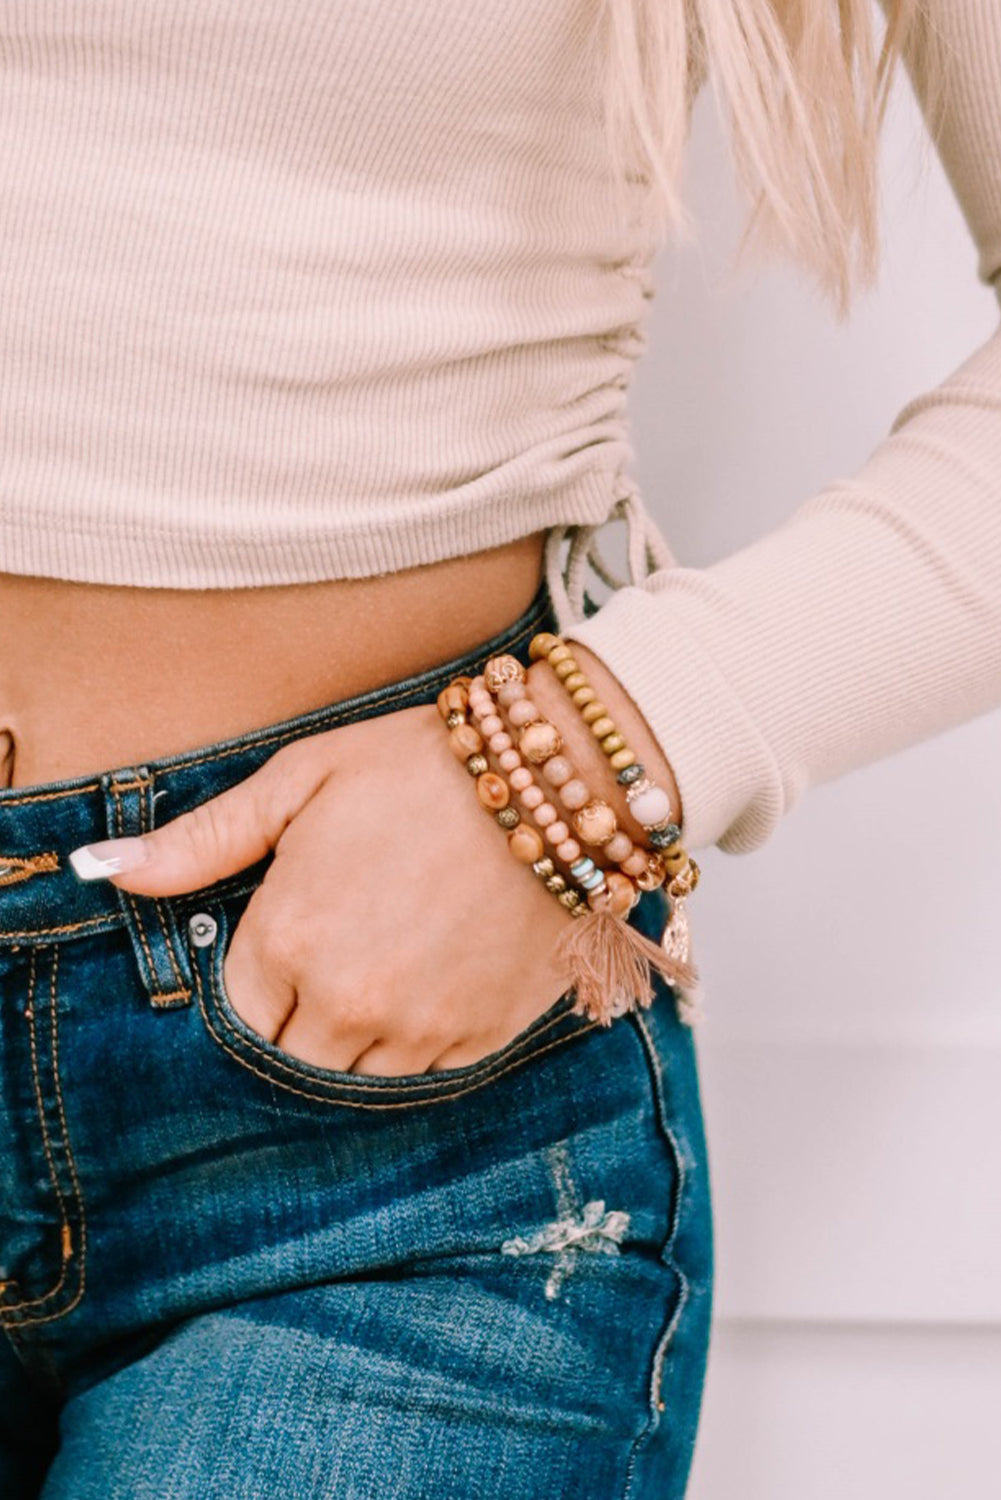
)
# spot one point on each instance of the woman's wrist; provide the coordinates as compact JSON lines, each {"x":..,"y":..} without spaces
{"x":583,"y":749}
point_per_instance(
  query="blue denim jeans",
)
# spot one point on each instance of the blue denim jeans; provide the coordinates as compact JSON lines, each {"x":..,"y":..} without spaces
{"x":228,"y":1273}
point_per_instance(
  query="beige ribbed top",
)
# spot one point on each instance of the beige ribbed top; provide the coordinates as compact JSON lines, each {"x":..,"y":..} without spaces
{"x":294,"y":291}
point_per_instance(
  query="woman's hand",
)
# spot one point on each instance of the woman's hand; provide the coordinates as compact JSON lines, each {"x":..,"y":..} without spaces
{"x":393,"y":932}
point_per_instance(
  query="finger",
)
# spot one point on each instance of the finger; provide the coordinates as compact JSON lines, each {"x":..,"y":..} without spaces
{"x":463,"y":1054}
{"x":215,"y":839}
{"x":260,"y":997}
{"x":312,"y":1034}
{"x":389,"y":1059}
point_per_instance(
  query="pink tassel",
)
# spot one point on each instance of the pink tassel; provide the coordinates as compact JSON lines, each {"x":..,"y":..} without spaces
{"x":610,"y":966}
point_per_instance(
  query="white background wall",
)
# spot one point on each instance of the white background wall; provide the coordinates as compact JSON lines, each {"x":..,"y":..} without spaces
{"x":851,"y":1058}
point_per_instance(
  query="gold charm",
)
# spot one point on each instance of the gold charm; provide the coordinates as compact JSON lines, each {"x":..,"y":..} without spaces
{"x":677,"y":939}
{"x":685,"y":881}
{"x":676,"y":942}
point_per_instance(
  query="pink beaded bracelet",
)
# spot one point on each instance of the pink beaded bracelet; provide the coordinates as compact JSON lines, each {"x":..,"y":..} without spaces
{"x":494,"y":793}
{"x":611,"y":888}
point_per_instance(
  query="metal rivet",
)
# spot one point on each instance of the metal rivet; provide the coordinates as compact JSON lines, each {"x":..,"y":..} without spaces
{"x":202,"y":929}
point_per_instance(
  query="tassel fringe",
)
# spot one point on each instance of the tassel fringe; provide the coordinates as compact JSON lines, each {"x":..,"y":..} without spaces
{"x":611,"y":966}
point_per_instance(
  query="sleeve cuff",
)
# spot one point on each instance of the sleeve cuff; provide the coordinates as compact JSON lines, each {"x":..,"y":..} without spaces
{"x":731,"y":788}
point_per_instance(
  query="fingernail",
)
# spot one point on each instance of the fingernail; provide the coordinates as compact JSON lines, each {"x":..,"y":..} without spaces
{"x":110,"y":857}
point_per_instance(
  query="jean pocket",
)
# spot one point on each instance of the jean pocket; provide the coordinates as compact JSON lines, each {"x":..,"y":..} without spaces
{"x":218,"y":917}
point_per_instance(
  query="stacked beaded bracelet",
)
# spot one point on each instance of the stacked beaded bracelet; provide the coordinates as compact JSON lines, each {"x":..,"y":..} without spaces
{"x":601,"y":887}
{"x":609,"y":960}
{"x":594,"y":819}
{"x":525,"y":842}
{"x":648,"y":803}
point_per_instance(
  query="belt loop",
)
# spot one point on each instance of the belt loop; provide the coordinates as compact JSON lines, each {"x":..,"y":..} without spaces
{"x":160,"y":953}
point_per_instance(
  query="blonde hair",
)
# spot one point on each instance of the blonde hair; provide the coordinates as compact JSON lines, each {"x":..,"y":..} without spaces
{"x":805,"y":95}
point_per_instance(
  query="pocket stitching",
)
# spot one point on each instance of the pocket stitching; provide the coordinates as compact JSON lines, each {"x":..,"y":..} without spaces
{"x":68,"y":1202}
{"x":342,"y":1091}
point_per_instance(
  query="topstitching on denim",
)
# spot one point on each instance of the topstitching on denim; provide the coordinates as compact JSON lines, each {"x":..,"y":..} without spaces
{"x":68,"y":1290}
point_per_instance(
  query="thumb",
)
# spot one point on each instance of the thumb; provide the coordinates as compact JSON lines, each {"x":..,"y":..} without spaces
{"x":217,"y":838}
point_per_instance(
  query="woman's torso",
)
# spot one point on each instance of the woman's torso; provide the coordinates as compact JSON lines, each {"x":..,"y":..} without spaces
{"x":280,"y":315}
{"x":95,"y":676}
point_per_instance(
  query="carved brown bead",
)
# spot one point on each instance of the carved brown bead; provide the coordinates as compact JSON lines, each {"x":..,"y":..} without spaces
{"x":492,"y":791}
{"x":539,"y":741}
{"x":501,"y":669}
{"x":525,"y":844}
{"x":465,"y":741}
{"x":623,"y":892}
{"x":451,"y":699}
{"x":595,"y":822}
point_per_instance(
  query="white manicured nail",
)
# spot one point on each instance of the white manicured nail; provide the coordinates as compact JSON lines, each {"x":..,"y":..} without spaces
{"x":110,"y":857}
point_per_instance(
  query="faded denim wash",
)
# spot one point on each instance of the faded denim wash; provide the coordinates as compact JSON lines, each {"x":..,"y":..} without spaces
{"x":226,"y":1274}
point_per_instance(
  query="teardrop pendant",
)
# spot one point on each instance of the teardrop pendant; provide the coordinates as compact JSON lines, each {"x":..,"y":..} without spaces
{"x":676,"y":941}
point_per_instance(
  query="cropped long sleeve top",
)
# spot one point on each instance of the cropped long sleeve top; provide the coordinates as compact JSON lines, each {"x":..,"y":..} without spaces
{"x":295,"y":290}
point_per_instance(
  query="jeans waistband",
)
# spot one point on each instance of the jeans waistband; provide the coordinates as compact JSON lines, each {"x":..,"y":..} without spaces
{"x":41,"y":899}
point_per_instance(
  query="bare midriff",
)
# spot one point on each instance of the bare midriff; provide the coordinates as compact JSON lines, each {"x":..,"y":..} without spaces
{"x":98,"y":676}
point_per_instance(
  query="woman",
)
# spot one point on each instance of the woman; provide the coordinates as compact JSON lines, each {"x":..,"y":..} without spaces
{"x":317,"y":329}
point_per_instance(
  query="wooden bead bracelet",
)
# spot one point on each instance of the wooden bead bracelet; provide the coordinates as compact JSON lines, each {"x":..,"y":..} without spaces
{"x":648,"y":803}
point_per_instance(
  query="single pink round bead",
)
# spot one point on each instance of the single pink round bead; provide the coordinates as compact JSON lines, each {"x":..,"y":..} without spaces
{"x":500,"y":741}
{"x":558,"y":832}
{"x":574,"y":794}
{"x":480,"y":704}
{"x":568,"y":851}
{"x":523,"y":712}
{"x":510,"y":760}
{"x":532,"y":796}
{"x":557,"y":770}
{"x":635,"y":864}
{"x":510,"y":693}
{"x":545,"y":814}
{"x":492,"y":724}
{"x":619,"y":847}
{"x":522,"y":777}
{"x":478,"y":684}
